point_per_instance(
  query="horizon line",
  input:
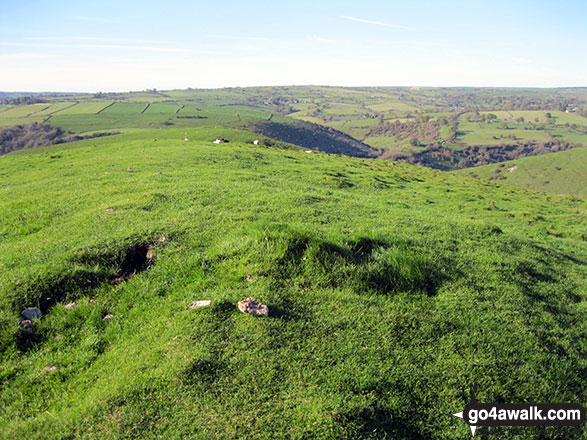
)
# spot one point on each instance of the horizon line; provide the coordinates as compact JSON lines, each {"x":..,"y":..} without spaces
{"x":48,"y":92}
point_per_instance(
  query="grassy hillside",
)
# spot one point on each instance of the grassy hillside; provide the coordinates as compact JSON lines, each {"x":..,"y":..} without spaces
{"x":391,"y":290}
{"x":564,"y":172}
{"x":88,"y":118}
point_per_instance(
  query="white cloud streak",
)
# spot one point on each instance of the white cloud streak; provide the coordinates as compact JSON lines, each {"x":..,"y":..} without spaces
{"x":97,"y":39}
{"x":98,"y":19}
{"x":23,"y":56}
{"x":377,"y":23}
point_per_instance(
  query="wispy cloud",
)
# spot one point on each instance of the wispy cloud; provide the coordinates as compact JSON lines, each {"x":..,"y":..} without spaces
{"x":98,"y":39}
{"x":23,"y":56}
{"x":316,"y":39}
{"x":98,"y":19}
{"x":127,"y":47}
{"x":75,"y":41}
{"x":377,"y":23}
{"x":237,"y":37}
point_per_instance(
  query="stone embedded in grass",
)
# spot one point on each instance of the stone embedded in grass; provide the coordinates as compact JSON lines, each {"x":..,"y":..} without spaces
{"x":27,"y":326}
{"x":253,"y":307}
{"x":162,"y":239}
{"x":109,"y":210}
{"x":70,"y":306}
{"x":51,"y":368}
{"x":31,"y":313}
{"x":107,"y":317}
{"x":202,"y":303}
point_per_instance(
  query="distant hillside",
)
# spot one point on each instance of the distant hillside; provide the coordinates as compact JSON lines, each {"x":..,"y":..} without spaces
{"x":444,"y":128}
{"x":315,"y":137}
{"x":563,"y":172}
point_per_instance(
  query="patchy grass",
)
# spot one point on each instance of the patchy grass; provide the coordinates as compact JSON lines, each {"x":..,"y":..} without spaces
{"x":391,"y":289}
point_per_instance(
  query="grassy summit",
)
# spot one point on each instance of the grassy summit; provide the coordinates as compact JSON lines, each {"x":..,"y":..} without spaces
{"x":391,"y":290}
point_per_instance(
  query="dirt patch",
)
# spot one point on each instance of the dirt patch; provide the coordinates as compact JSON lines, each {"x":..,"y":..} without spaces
{"x":86,"y":271}
{"x":138,"y":258}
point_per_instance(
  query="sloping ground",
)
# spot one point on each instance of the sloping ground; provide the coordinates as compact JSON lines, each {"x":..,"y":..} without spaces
{"x":391,"y":290}
{"x":314,"y":137}
{"x":564,"y":172}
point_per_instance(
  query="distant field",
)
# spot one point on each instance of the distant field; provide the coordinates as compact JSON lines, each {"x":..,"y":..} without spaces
{"x":385,"y":142}
{"x":388,"y":107}
{"x":569,"y":136}
{"x":125,"y":108}
{"x":563,"y":172}
{"x":162,"y":108}
{"x":23,"y":111}
{"x":357,"y":112}
{"x":474,"y":133}
{"x":557,"y":117}
{"x":84,"y":108}
{"x":9,"y":122}
{"x":53,"y":108}
{"x":190,"y":109}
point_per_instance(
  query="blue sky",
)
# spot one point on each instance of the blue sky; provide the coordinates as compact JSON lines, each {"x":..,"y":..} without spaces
{"x":133,"y":45}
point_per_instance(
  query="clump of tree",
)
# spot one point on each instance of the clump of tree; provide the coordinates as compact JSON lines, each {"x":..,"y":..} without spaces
{"x":24,"y":100}
{"x":21,"y":137}
{"x":423,"y":129}
{"x":32,"y":135}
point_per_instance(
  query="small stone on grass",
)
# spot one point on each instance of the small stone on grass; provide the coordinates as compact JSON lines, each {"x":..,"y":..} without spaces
{"x":27,"y":326}
{"x":202,"y":303}
{"x":31,"y":313}
{"x":253,"y":307}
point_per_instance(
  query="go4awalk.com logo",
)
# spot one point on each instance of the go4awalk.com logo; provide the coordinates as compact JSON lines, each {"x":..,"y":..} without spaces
{"x":521,"y":414}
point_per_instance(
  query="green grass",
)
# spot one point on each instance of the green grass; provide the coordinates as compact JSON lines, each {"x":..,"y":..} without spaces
{"x":391,"y":289}
{"x":570,"y":136}
{"x":124,"y":108}
{"x":23,"y":111}
{"x":562,"y":172}
{"x":480,"y":133}
{"x":54,"y":108}
{"x":163,"y":108}
{"x":10,"y":122}
{"x":89,"y":108}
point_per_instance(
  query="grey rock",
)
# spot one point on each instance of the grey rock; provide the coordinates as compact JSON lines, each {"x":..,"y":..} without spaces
{"x":253,"y":307}
{"x":31,"y":313}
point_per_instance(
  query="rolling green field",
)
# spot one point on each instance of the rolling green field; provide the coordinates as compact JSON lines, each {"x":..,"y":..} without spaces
{"x":366,"y":114}
{"x":473,"y":133}
{"x":87,"y":108}
{"x":564,"y":172}
{"x":391,"y":288}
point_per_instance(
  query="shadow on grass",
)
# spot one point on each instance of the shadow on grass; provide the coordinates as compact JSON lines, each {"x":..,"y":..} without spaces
{"x":366,"y":265}
{"x":374,"y":423}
